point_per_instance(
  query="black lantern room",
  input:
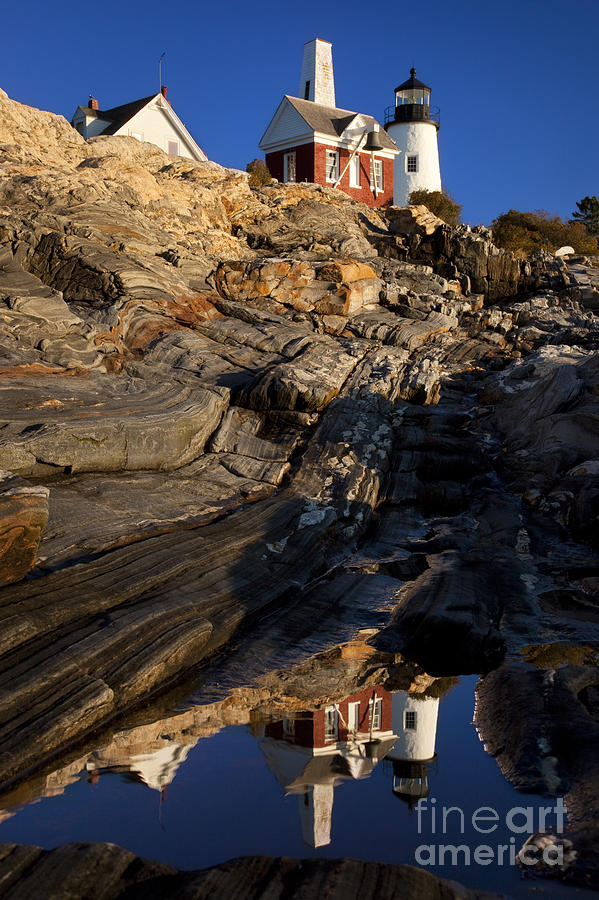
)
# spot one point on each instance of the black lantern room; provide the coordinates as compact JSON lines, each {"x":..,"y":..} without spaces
{"x":412,"y":103}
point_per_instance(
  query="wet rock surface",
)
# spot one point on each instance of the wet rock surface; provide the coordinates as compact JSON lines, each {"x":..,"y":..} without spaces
{"x":540,"y":718}
{"x":229,"y":401}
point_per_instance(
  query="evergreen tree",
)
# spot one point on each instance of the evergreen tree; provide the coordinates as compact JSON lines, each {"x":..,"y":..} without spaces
{"x":588,"y":214}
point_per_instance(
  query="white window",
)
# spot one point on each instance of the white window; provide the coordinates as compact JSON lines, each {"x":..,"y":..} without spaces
{"x":410,"y":720}
{"x":354,"y":172}
{"x":331,"y":724}
{"x":411,"y":163}
{"x":289,"y":171}
{"x":375,"y":709}
{"x":378,"y":174}
{"x":332,"y":165}
{"x":173,"y":148}
{"x":136,"y":134}
{"x":353,"y":716}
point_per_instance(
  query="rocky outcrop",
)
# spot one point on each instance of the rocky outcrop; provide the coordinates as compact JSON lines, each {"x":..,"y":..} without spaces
{"x":107,"y":872}
{"x":237,"y":398}
{"x":541,"y":721}
{"x":470,"y":255}
{"x":23,"y":517}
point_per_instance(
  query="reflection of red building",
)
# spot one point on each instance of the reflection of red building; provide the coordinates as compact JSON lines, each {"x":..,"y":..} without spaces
{"x":317,"y":750}
{"x":358,"y":714}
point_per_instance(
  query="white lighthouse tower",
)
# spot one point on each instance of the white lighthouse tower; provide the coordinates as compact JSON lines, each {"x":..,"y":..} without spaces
{"x":414,"y":129}
{"x":414,"y":721}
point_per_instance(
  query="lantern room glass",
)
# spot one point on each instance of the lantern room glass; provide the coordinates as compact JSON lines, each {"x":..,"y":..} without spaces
{"x":420,"y":96}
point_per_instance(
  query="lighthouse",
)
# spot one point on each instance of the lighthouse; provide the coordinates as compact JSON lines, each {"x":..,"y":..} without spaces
{"x":413,"y":127}
{"x":414,"y":721}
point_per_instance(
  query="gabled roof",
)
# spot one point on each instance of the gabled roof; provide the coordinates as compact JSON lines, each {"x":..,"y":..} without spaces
{"x":119,"y":115}
{"x":332,"y":120}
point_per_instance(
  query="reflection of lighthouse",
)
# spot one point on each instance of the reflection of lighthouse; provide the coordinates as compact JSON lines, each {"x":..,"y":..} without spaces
{"x":414,"y":721}
{"x":312,"y":754}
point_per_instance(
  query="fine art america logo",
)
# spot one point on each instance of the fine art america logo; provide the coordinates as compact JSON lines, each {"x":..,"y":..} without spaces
{"x":542,"y":826}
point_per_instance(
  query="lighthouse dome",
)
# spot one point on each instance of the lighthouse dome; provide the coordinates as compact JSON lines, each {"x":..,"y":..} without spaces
{"x":412,"y":83}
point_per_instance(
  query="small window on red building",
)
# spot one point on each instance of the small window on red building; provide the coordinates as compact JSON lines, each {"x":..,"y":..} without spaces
{"x":289,"y":173}
{"x":332,"y":166}
{"x":331,"y":723}
{"x":353,"y":716}
{"x":354,"y":172}
{"x":375,"y":709}
{"x":376,"y":177}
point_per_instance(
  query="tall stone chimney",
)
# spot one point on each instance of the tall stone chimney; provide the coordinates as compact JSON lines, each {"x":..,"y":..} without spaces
{"x":317,"y":82}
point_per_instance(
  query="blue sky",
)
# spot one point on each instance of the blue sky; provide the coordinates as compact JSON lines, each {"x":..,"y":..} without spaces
{"x":517,"y":82}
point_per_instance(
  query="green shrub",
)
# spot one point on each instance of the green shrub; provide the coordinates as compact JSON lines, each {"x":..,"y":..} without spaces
{"x":440,"y":203}
{"x":526,"y":232}
{"x":259,"y":173}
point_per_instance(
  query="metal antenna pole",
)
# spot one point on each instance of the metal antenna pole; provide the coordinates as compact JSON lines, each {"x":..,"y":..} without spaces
{"x":160,"y":72}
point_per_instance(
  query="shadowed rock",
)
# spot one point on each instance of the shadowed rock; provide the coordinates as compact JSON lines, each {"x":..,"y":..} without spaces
{"x":107,"y":872}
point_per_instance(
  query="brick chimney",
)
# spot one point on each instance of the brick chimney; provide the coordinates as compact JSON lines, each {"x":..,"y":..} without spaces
{"x":93,"y":102}
{"x":163,"y":91}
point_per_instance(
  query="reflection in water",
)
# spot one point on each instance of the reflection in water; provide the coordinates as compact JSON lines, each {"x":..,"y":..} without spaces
{"x":311,"y":754}
{"x":155,"y":767}
{"x":414,"y":721}
{"x":319,"y":743}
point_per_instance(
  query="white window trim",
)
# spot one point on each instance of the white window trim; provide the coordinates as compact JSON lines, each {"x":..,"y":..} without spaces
{"x":353,"y":716}
{"x":355,"y":167}
{"x":374,"y":182}
{"x":331,"y":179}
{"x":286,"y":157}
{"x":408,"y":170}
{"x":375,"y":714}
{"x":413,"y":718}
{"x":333,"y":733}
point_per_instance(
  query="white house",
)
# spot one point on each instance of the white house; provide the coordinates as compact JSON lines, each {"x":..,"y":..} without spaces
{"x":150,"y":119}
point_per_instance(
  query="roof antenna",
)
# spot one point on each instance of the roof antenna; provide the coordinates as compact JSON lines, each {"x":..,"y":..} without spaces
{"x":160,"y":72}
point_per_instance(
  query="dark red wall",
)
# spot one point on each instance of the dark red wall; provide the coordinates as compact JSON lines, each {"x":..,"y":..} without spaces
{"x":310,"y":166}
{"x":364,"y":194}
{"x":309,"y":729}
{"x":304,"y":162}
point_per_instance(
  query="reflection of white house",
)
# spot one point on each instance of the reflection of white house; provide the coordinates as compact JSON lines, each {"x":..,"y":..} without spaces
{"x":414,"y":721}
{"x":150,"y":119}
{"x":156,"y":769}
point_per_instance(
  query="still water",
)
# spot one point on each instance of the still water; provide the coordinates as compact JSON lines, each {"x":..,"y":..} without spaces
{"x":329,"y":781}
